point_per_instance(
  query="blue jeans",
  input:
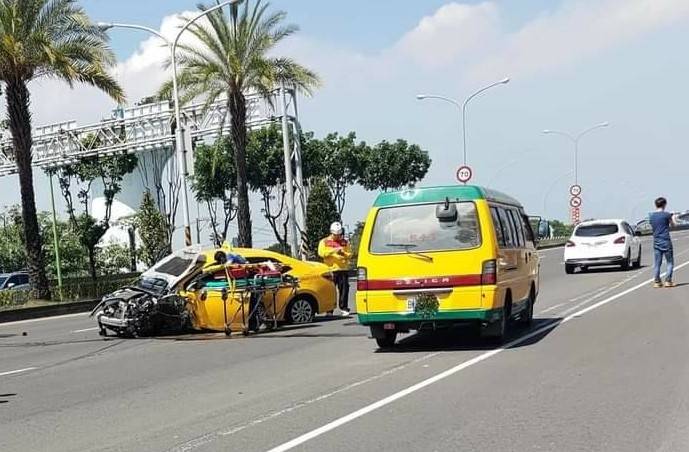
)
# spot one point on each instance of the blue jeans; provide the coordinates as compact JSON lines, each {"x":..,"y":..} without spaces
{"x":669,"y":259}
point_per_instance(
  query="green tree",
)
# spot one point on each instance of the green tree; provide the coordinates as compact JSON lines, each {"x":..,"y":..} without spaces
{"x":339,"y":160}
{"x":266,"y":175}
{"x":394,"y":165}
{"x":153,"y":231}
{"x":12,"y":252}
{"x":321,"y":212}
{"x":355,"y":239}
{"x":233,"y":56}
{"x":113,"y":259}
{"x":109,"y":171}
{"x":45,"y":39}
{"x":214,"y":182}
{"x":561,"y":229}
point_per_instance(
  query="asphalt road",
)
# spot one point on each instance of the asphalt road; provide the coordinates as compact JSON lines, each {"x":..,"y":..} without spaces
{"x":604,"y":368}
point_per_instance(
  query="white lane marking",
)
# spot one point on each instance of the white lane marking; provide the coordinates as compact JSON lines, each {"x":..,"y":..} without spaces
{"x":65,"y":316}
{"x":12,"y":372}
{"x":552,"y":308}
{"x":441,"y":376}
{"x":85,"y":330}
{"x":588,"y":294}
{"x":210,"y":437}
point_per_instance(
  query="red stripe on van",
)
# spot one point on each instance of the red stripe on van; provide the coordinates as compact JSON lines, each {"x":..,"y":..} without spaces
{"x":424,"y":283}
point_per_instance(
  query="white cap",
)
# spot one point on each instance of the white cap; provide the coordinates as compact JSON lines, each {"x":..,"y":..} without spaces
{"x":336,"y":228}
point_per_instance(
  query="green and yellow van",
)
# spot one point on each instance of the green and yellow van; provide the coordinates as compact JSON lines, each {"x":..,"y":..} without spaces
{"x":469,"y":250}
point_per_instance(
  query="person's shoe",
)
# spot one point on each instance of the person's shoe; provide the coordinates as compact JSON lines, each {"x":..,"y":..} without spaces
{"x":344,"y":313}
{"x":669,"y":284}
{"x":657,"y":285}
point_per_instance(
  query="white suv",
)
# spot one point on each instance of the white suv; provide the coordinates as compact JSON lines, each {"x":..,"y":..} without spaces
{"x":600,"y":243}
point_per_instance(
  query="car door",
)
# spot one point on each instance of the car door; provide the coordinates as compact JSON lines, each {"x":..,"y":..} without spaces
{"x":523,"y":256}
{"x":508,"y":257}
{"x":634,"y":241}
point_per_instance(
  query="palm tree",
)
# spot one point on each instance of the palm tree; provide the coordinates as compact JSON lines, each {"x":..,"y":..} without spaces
{"x":45,"y":39}
{"x":231,"y":59}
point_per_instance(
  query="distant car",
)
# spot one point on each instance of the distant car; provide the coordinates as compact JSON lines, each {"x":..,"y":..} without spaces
{"x":643,"y":227}
{"x":14,"y":281}
{"x":602,"y":243}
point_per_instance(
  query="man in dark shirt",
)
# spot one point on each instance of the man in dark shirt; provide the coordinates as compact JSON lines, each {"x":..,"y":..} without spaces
{"x":661,"y":221}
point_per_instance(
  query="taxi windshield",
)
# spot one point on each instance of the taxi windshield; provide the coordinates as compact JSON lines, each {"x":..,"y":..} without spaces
{"x":417,"y":229}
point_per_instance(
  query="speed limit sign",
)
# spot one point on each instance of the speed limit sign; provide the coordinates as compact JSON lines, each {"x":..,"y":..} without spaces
{"x":464,"y":174}
{"x":575,"y":202}
{"x":575,"y":190}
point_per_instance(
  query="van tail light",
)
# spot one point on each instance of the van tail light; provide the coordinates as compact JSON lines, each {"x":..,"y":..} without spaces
{"x":620,"y":241}
{"x":570,"y":244}
{"x":361,"y":279}
{"x":489,"y":273}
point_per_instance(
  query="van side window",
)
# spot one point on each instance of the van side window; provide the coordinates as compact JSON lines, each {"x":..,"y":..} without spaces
{"x":517,"y":227}
{"x":510,"y":241}
{"x":499,"y":234}
{"x":528,"y":232}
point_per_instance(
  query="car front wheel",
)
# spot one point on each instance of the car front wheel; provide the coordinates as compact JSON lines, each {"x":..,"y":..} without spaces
{"x":301,"y":311}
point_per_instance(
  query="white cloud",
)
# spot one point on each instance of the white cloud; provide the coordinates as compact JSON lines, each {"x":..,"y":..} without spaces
{"x":456,"y":31}
{"x":577,"y":31}
{"x":140,"y":75}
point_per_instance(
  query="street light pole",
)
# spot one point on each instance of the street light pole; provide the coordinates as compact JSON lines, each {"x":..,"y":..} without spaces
{"x":575,"y":140}
{"x":463,"y":109}
{"x":179,"y":130}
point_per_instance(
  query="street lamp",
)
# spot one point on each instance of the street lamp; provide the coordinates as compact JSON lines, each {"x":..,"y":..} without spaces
{"x":463,"y":108}
{"x":179,"y":131}
{"x":575,"y":140}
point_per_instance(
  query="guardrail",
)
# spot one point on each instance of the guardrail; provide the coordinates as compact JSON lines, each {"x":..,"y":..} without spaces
{"x":552,"y":242}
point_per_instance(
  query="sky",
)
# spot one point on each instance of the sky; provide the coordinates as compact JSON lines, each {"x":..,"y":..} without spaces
{"x":572,"y":64}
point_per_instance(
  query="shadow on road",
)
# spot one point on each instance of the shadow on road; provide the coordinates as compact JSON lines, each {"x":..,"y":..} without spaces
{"x":467,"y":337}
{"x":283,"y":331}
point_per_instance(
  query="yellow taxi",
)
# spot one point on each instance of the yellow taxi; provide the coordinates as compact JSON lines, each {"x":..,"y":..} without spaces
{"x":314,"y":294}
{"x":438,"y":256}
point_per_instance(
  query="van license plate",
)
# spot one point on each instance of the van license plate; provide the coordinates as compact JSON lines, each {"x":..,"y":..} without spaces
{"x":411,"y":304}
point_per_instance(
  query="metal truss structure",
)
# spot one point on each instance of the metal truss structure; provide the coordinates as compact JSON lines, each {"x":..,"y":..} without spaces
{"x":151,"y":127}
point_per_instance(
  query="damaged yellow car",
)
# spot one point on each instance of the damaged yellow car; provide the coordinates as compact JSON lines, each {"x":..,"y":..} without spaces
{"x":230,"y":290}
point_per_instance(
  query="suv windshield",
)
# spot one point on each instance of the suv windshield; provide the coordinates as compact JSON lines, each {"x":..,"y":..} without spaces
{"x":596,"y":230}
{"x":155,"y":285}
{"x":417,"y":229}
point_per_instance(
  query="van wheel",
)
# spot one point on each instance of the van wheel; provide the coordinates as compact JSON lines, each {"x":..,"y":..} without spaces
{"x":569,"y":269}
{"x":496,"y":332}
{"x":526,"y":316}
{"x":388,"y":339}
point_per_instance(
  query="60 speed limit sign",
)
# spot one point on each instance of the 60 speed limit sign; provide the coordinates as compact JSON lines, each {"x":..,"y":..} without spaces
{"x":464,"y":174}
{"x":575,"y":190}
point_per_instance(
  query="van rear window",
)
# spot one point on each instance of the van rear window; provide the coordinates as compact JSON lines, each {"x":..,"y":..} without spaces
{"x":416,"y":228}
{"x":596,"y":230}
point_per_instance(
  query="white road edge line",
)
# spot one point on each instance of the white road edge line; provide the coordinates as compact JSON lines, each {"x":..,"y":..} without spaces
{"x":458,"y":368}
{"x":12,"y":372}
{"x":85,"y":330}
{"x":21,"y":322}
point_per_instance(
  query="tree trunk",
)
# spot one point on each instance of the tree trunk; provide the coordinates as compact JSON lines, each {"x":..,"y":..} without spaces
{"x":92,"y":263}
{"x":237,"y":105}
{"x":18,"y":100}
